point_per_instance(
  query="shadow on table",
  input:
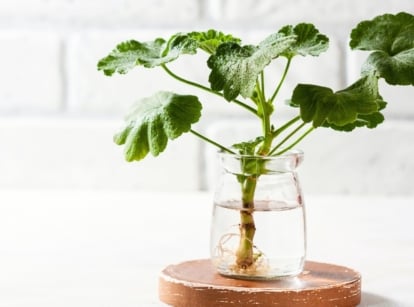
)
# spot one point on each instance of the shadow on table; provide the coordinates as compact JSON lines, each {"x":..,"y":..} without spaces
{"x":375,"y":300}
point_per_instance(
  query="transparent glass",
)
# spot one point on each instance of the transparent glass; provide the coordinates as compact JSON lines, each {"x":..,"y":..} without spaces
{"x":258,"y":228}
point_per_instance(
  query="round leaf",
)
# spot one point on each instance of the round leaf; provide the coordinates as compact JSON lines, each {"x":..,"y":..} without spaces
{"x":308,"y":40}
{"x":154,"y":120}
{"x":355,"y":105}
{"x":391,"y":37}
{"x":131,"y":53}
{"x":234,"y":68}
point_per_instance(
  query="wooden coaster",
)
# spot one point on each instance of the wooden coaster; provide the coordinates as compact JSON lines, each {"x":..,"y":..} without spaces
{"x":196,"y":284}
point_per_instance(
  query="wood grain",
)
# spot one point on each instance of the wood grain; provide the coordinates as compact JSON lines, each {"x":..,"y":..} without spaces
{"x":196,"y":284}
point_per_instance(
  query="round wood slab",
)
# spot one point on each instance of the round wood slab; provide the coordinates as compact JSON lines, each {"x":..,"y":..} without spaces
{"x":196,"y":284}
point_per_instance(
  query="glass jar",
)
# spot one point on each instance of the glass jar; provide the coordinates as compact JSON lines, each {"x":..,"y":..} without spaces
{"x":258,"y":228}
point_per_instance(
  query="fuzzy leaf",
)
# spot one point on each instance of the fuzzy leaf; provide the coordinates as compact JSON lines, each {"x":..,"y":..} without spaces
{"x":308,"y":40}
{"x":371,"y":120}
{"x":154,"y":120}
{"x":132,"y":53}
{"x":234,"y":68}
{"x":363,"y":120}
{"x":391,"y":37}
{"x":249,"y":147}
{"x":354,"y":105}
{"x":211,"y":39}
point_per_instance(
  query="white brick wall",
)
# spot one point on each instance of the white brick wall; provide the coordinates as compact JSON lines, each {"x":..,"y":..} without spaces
{"x":267,"y":13}
{"x":92,"y":13}
{"x":58,"y":114}
{"x":31,"y":76}
{"x":67,"y":153}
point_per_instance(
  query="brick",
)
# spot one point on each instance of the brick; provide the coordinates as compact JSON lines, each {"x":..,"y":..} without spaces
{"x":68,"y":153}
{"x":31,"y":75}
{"x":101,"y":13}
{"x":376,"y":162}
{"x":273,"y":13}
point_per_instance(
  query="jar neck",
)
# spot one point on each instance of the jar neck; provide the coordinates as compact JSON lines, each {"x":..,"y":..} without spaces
{"x":259,"y":165}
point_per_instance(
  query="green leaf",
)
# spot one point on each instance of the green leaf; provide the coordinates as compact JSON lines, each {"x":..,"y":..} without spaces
{"x":391,"y":37}
{"x":234,"y":68}
{"x":126,"y":54}
{"x":132,"y":53}
{"x":396,"y":70}
{"x":249,"y":147}
{"x":308,"y":40}
{"x":211,"y":39}
{"x":363,"y":120}
{"x":354,"y":105}
{"x":154,"y":120}
{"x":371,"y":120}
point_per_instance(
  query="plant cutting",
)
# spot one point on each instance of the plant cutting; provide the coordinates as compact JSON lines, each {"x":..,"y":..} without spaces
{"x":237,"y":73}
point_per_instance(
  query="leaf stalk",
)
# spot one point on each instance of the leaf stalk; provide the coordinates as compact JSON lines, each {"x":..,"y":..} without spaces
{"x":205,"y":88}
{"x":208,"y":140}
{"x":282,"y":80}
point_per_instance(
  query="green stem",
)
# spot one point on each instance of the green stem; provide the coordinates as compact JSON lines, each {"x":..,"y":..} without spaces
{"x":262,"y":83}
{"x":281,"y":80}
{"x":204,"y":138}
{"x":295,"y":142}
{"x":245,"y":253}
{"x":205,"y":88}
{"x":287,"y":138}
{"x":285,"y":126}
{"x":245,"y":257}
{"x":266,"y":124}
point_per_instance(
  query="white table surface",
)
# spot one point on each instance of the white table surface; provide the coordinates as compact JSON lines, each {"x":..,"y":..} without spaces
{"x":106,"y":248}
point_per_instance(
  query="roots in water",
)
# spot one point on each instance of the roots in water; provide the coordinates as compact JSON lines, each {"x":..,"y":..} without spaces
{"x":225,"y":255}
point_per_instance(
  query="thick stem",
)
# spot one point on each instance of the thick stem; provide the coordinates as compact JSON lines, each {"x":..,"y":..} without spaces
{"x":245,"y":256}
{"x":266,"y":125}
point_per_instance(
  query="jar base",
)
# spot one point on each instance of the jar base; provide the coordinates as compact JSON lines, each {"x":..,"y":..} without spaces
{"x":260,"y":273}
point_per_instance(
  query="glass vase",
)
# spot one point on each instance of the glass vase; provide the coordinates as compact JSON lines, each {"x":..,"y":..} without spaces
{"x":258,"y":228}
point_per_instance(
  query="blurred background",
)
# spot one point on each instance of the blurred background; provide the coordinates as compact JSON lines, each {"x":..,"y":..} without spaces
{"x":58,"y":113}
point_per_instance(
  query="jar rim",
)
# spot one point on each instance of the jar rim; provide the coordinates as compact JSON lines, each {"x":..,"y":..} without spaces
{"x":236,"y":164}
{"x":287,"y":154}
